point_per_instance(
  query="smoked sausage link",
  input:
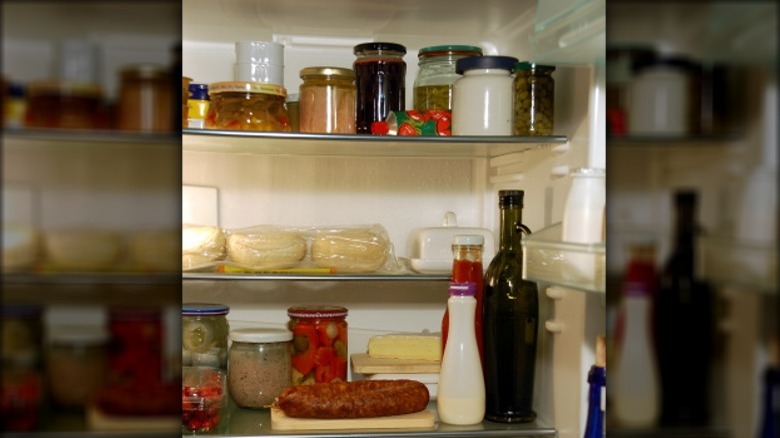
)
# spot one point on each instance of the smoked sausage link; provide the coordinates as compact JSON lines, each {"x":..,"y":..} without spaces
{"x":359,"y":399}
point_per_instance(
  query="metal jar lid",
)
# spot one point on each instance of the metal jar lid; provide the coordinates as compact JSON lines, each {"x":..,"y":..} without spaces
{"x":260,"y":335}
{"x":317,"y":311}
{"x":449,"y":50}
{"x":485,"y":62}
{"x":204,"y":309}
{"x":339,"y":72}
{"x":247,"y":87}
{"x":379,"y":46}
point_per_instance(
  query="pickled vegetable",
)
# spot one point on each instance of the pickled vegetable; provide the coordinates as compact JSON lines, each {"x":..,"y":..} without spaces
{"x":204,"y":341}
{"x":433,"y":97}
{"x":247,"y":106}
{"x":319,"y":344}
{"x":534,"y":99}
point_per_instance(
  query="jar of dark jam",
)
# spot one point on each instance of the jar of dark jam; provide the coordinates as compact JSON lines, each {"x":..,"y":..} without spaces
{"x":380,"y":79}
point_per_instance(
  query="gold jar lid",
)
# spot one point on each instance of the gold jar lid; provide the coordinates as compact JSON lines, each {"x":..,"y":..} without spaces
{"x":246,"y":87}
{"x":340,"y":72}
{"x":143,"y":71}
{"x":64,"y":89}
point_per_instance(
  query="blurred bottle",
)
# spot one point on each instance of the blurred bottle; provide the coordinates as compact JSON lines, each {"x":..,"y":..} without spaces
{"x":597,"y":382}
{"x":770,"y":419}
{"x":684,"y":326}
{"x":634,"y":392}
{"x":15,"y":105}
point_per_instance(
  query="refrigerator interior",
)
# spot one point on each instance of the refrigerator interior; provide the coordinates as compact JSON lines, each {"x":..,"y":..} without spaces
{"x":404,"y":186}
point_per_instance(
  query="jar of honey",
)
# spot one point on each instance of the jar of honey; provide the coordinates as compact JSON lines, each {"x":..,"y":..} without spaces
{"x":319,"y":344}
{"x":247,"y":106}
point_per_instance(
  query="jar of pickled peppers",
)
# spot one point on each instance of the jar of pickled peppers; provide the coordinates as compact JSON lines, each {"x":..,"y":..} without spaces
{"x":433,"y":84}
{"x":319,"y":344}
{"x":534,"y":89}
{"x":247,"y":106}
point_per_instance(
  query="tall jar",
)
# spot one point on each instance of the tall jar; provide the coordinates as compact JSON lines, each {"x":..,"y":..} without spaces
{"x":259,"y":366}
{"x":145,"y":99}
{"x":380,"y":79}
{"x":534,"y":99}
{"x":327,"y":100}
{"x":320,"y":344}
{"x":433,"y":85}
{"x":482,"y":97}
{"x":660,"y":100}
{"x":204,"y":334}
{"x":76,"y":364}
{"x":247,"y":106}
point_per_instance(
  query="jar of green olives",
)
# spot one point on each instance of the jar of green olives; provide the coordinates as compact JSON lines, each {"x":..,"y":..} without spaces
{"x":433,"y":84}
{"x":204,"y":334}
{"x":534,"y":99}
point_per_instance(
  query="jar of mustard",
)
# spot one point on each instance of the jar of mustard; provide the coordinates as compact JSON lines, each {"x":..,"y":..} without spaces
{"x":247,"y":106}
{"x":319,"y":344}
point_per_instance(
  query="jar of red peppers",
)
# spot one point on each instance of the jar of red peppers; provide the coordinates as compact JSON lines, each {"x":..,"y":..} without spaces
{"x":247,"y":106}
{"x":319,"y":344}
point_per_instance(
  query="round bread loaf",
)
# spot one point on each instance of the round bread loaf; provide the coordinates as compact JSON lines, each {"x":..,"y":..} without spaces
{"x":200,"y":245}
{"x":267,"y":249}
{"x":351,"y":251}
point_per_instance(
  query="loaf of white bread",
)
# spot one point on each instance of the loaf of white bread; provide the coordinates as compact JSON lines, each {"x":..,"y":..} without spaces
{"x":415,"y":346}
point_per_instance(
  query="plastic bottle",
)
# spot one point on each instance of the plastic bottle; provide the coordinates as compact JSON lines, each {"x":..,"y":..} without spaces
{"x":198,"y":105}
{"x":461,"y":397}
{"x":510,"y":322}
{"x":597,"y":385}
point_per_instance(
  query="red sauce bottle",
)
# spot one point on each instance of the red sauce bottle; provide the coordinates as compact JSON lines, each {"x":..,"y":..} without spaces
{"x":467,"y":268}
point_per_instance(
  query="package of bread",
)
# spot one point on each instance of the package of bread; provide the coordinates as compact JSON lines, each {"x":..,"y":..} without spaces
{"x":352,"y":250}
{"x":21,"y":247}
{"x":83,"y":249}
{"x":155,"y":250}
{"x":265,"y":248}
{"x":201,"y":245}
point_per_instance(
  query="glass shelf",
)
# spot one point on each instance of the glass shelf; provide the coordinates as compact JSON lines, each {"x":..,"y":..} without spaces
{"x":673,"y":141}
{"x":86,"y":137}
{"x":574,"y":34}
{"x":751,"y":265}
{"x":551,"y":261}
{"x":210,"y":276}
{"x":86,"y":278}
{"x":288,"y":143}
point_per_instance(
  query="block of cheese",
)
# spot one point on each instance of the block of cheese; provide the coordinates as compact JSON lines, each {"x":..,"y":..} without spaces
{"x":420,"y":346}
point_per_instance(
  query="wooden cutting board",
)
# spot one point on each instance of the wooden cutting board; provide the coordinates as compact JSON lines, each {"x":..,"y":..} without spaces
{"x":418,"y":420}
{"x":364,"y":364}
{"x":101,"y":422}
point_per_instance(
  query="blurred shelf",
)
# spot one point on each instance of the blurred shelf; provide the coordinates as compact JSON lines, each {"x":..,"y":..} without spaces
{"x":211,"y":276}
{"x":86,"y":278}
{"x":672,"y":141}
{"x":32,"y":137}
{"x":570,"y":32}
{"x":289,"y":143}
{"x":730,"y":262}
{"x":670,"y":432}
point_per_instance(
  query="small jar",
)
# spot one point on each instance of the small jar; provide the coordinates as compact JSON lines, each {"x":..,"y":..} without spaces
{"x":534,"y":99}
{"x":319,"y":344}
{"x":76,"y":364}
{"x":65,"y":105}
{"x":197,"y":105}
{"x":437,"y":74}
{"x":659,"y":96}
{"x":259,"y":366}
{"x":482,"y":97}
{"x":380,"y":80}
{"x":145,"y":99}
{"x":204,"y":334}
{"x":247,"y":106}
{"x":136,"y":351}
{"x":292,"y":101}
{"x":185,"y":97}
{"x":327,"y":100}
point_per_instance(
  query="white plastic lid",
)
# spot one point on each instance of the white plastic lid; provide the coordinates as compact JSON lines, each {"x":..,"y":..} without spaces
{"x":260,"y":335}
{"x":468,"y":239}
{"x":79,"y":335}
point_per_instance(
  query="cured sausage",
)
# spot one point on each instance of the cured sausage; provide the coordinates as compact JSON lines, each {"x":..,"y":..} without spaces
{"x":359,"y":399}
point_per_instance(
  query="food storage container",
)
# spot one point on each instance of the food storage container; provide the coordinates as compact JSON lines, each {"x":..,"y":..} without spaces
{"x":145,"y":99}
{"x":534,"y":89}
{"x":660,"y":97}
{"x":202,"y":398}
{"x":259,"y":61}
{"x":433,"y":84}
{"x":247,"y":106}
{"x":56,"y":104}
{"x":430,"y":248}
{"x":204,"y":334}
{"x":258,"y":365}
{"x":327,"y":100}
{"x":482,"y":97}
{"x":76,"y":364}
{"x":320,"y":343}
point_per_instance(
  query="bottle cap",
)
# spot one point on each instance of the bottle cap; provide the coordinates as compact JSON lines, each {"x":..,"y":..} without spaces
{"x":199,"y":91}
{"x":463,"y":289}
{"x":510,"y":198}
{"x":485,"y":62}
{"x":685,"y":197}
{"x":204,"y":309}
{"x":370,"y":47}
{"x":260,"y":335}
{"x":468,"y":239}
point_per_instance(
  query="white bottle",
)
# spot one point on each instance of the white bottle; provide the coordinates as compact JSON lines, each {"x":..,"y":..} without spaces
{"x":583,"y":219}
{"x":461,"y":396}
{"x":482,"y":100}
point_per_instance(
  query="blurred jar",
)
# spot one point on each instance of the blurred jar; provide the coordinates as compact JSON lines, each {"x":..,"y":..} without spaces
{"x":247,"y":106}
{"x":77,"y":363}
{"x":433,"y":84}
{"x":21,"y":392}
{"x":620,"y":61}
{"x":22,"y":332}
{"x":65,"y":105}
{"x":185,"y":98}
{"x":293,"y":111}
{"x":15,"y":104}
{"x":144,"y":99}
{"x":660,"y":97}
{"x":327,"y":100}
{"x":534,"y":101}
{"x":136,"y":348}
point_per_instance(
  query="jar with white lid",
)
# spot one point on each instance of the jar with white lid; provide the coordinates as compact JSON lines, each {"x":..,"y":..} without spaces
{"x":482,"y":98}
{"x":259,"y":366}
{"x":76,"y":364}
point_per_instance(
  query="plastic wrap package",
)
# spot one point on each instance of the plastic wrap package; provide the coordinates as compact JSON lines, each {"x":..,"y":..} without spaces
{"x":83,"y":249}
{"x":201,"y":246}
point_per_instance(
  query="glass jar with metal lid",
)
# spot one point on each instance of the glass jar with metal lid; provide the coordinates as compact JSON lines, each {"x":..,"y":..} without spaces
{"x":145,"y":99}
{"x":320,"y":343}
{"x":327,"y":100}
{"x":534,"y":89}
{"x":247,"y":106}
{"x":204,"y":334}
{"x":433,"y":84}
{"x":380,"y":79}
{"x":259,"y":365}
{"x":66,"y":105}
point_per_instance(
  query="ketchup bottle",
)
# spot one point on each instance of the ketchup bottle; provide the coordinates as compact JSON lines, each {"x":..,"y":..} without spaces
{"x":467,"y":268}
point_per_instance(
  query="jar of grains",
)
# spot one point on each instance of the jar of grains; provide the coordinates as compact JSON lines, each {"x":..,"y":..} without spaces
{"x":327,"y":100}
{"x":320,"y":344}
{"x":247,"y":106}
{"x":534,"y":99}
{"x":433,"y":85}
{"x":204,"y":334}
{"x":258,"y":366}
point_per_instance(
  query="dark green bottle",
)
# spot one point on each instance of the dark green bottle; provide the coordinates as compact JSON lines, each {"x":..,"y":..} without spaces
{"x":510,"y":322}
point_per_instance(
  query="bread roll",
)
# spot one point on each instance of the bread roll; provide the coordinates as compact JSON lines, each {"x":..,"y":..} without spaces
{"x":83,"y":249}
{"x":266,"y":249}
{"x":155,"y":250}
{"x":351,"y":251}
{"x":200,"y":245}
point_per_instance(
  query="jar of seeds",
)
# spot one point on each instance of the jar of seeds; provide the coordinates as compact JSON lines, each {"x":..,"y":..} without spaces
{"x":534,"y":89}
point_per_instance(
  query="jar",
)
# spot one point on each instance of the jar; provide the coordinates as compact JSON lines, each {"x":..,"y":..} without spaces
{"x":247,"y":106}
{"x":319,"y":344}
{"x":202,"y":398}
{"x":197,"y":105}
{"x":15,"y":104}
{"x":327,"y":100}
{"x":185,"y":97}
{"x":534,"y":99}
{"x":433,"y":85}
{"x":380,"y":80}
{"x":259,"y":366}
{"x":136,"y":350}
{"x":66,"y":105}
{"x":659,"y":97}
{"x":145,"y":99}
{"x":293,"y":111}
{"x":482,"y":97}
{"x":204,"y":334}
{"x":76,"y":364}
{"x":620,"y":60}
{"x":22,"y":331}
